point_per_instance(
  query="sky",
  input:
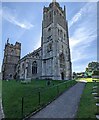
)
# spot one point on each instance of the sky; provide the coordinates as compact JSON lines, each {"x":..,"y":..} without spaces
{"x":22,"y":22}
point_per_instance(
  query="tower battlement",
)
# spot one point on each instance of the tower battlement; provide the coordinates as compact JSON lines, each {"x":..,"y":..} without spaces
{"x":16,"y":45}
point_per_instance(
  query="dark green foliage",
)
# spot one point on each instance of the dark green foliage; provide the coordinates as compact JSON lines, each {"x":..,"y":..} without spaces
{"x":95,"y":72}
{"x":92,"y":66}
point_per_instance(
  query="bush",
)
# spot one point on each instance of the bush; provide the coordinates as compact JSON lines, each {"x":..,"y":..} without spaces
{"x":96,"y":72}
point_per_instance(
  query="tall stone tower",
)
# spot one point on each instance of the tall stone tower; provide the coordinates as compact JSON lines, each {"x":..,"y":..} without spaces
{"x":11,"y":58}
{"x":56,"y":60}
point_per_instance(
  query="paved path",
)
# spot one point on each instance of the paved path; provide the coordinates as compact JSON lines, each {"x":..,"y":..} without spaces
{"x":1,"y":115}
{"x":1,"y":112}
{"x":64,"y":106}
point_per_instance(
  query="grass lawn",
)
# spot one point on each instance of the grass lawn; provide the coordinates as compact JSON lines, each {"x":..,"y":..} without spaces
{"x":13,"y":92}
{"x":87,"y":107}
{"x":87,"y":79}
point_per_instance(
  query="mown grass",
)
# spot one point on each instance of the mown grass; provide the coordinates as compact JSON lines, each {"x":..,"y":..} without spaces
{"x":88,"y":79}
{"x":87,"y":107}
{"x":13,"y":92}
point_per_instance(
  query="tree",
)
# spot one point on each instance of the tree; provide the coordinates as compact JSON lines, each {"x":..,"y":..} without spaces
{"x":92,"y":66}
{"x":74,"y":75}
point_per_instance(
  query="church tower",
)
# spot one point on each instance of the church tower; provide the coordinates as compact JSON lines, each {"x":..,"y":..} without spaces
{"x":10,"y":60}
{"x":56,"y":60}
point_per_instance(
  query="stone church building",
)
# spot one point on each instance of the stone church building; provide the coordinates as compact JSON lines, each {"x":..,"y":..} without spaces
{"x":52,"y":60}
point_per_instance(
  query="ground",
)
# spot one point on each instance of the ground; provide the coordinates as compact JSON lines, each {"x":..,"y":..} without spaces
{"x":37,"y":93}
{"x":13,"y":92}
{"x":87,"y":79}
{"x":65,"y":106}
{"x":87,"y":107}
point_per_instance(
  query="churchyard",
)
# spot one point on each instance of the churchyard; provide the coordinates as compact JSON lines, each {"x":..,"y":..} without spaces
{"x":87,"y":79}
{"x":87,"y":106}
{"x":20,"y":100}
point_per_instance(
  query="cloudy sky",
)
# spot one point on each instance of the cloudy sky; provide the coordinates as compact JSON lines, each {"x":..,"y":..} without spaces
{"x":23,"y":22}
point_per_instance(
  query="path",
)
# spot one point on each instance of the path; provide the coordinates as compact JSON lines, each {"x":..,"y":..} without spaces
{"x":64,"y":106}
{"x":1,"y":112}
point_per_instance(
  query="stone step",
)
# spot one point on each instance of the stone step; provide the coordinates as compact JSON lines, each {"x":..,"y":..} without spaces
{"x":97,"y":104}
{"x":96,"y":97}
{"x":95,"y":86}
{"x":97,"y":116}
{"x":94,"y":93}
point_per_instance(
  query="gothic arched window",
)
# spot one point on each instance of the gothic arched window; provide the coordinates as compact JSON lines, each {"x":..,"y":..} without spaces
{"x":58,"y":31}
{"x":62,"y":60}
{"x":49,"y":29}
{"x":50,"y":16}
{"x":54,"y":12}
{"x":61,"y":32}
{"x":64,"y":35}
{"x":23,"y":66}
{"x":49,"y":47}
{"x":34,"y":67}
{"x":12,"y":52}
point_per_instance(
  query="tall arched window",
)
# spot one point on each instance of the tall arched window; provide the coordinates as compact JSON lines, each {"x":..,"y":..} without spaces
{"x":49,"y":29}
{"x":61,"y":33}
{"x":34,"y":67}
{"x":49,"y":47}
{"x":23,"y":66}
{"x":62,"y":60}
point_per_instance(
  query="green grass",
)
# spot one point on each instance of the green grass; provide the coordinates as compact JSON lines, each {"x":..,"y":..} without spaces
{"x":14,"y":91}
{"x":87,"y":79}
{"x":87,"y":107}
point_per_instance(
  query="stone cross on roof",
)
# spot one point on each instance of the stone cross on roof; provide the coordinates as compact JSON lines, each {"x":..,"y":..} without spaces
{"x":8,"y":40}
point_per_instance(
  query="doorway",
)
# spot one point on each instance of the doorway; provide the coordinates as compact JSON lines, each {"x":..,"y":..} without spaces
{"x":62,"y":76}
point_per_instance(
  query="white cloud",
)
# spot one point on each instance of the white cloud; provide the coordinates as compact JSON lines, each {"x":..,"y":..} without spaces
{"x":79,"y":68}
{"x":82,"y":37}
{"x":79,"y":42}
{"x":38,"y":43}
{"x":88,"y":8}
{"x":10,"y":16}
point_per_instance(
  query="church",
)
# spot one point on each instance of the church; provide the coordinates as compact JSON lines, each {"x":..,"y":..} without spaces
{"x":52,"y":60}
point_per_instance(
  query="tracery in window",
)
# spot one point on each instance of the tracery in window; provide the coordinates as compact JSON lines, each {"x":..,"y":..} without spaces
{"x":62,"y":60}
{"x":34,"y":67}
{"x":49,"y":29}
{"x":49,"y":47}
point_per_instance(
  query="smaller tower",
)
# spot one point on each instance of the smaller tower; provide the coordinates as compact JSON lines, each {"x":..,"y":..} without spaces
{"x":10,"y":60}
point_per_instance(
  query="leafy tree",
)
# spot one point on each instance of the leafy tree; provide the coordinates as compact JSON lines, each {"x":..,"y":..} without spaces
{"x":96,"y":72}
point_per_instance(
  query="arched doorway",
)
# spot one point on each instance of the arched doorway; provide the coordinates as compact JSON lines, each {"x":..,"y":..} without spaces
{"x":62,"y":76}
{"x":10,"y":76}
